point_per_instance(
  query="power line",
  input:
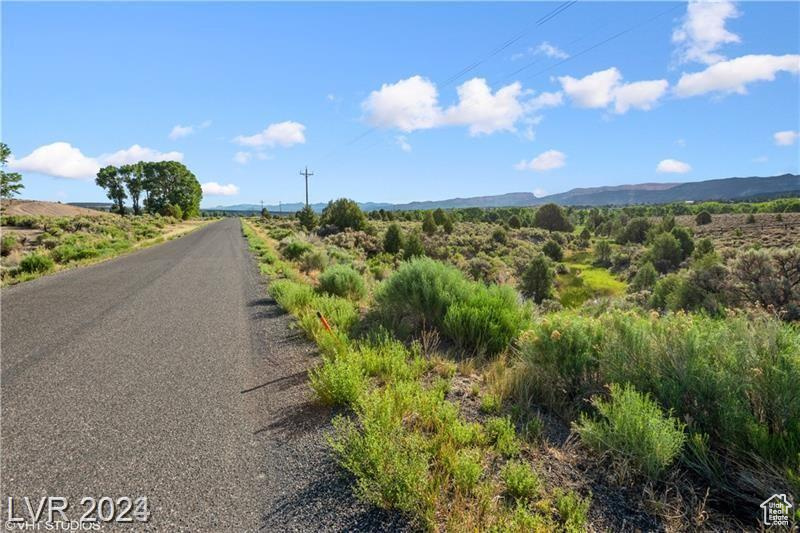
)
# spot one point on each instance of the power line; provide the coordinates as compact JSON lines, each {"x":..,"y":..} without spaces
{"x":540,"y":21}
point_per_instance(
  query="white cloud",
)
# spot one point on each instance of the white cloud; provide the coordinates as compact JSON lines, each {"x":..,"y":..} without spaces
{"x":673,"y":166}
{"x":604,"y":87}
{"x":402,"y":142}
{"x":284,"y":134}
{"x":242,"y":157}
{"x":785,"y":138}
{"x":62,"y":160}
{"x":545,"y":48}
{"x":59,"y":159}
{"x":543,"y":100}
{"x":703,"y":31}
{"x":551,"y":51}
{"x":413,"y":104}
{"x":639,"y":95}
{"x":212,"y":188}
{"x":594,"y":90}
{"x":760,"y":159}
{"x":539,"y":192}
{"x":681,"y":143}
{"x":732,"y":76}
{"x":549,"y":160}
{"x":484,"y":112}
{"x":137,"y":153}
{"x":179,"y":131}
{"x":407,"y":105}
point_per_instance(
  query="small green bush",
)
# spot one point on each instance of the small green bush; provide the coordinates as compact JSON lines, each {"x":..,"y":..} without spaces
{"x":551,"y":217}
{"x":490,"y":404}
{"x":537,"y":279}
{"x":521,"y":480}
{"x":339,"y":381}
{"x":294,"y":249}
{"x":344,"y":213}
{"x":573,"y":510}
{"x":8,"y":243}
{"x":500,"y":236}
{"x":412,"y":247}
{"x":428,"y":224}
{"x":501,"y":434}
{"x":393,"y":240}
{"x":666,"y":252}
{"x":344,"y":281}
{"x":465,"y":469}
{"x":553,"y":250}
{"x":633,"y":428}
{"x":645,"y":277}
{"x":291,"y":295}
{"x":35,"y":263}
{"x":314,"y":260}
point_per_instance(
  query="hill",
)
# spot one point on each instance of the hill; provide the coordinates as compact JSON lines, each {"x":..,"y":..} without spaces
{"x":726,"y":189}
{"x":50,"y":209}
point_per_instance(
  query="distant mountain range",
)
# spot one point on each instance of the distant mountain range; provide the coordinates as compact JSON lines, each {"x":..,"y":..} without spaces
{"x":725,"y":189}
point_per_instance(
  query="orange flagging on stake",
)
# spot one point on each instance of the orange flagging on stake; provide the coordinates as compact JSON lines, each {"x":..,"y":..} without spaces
{"x":324,"y":322}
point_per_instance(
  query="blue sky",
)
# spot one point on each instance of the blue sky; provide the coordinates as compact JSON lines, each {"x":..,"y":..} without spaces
{"x":246,"y":94}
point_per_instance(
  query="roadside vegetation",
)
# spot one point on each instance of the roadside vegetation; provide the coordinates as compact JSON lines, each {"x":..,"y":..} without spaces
{"x":519,"y":369}
{"x":31,"y":246}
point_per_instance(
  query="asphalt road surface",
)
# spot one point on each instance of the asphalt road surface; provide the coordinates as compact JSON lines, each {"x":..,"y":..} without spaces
{"x":168,"y":374}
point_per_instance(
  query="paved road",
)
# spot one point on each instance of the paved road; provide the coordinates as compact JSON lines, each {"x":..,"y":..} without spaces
{"x":168,"y":374}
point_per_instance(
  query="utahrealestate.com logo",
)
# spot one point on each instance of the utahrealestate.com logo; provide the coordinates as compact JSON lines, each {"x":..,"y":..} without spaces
{"x":777,"y":509}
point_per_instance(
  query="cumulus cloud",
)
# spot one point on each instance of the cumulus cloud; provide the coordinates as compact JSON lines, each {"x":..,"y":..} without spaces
{"x":485,"y":112}
{"x":733,"y":76}
{"x":137,"y":153}
{"x":673,"y":166}
{"x":785,"y":138}
{"x":402,"y":142}
{"x":549,"y":160}
{"x":602,"y":88}
{"x":179,"y":131}
{"x":62,"y":160}
{"x":413,"y":104}
{"x":59,"y":159}
{"x":639,"y":95}
{"x":212,"y":188}
{"x":283,"y":134}
{"x":408,"y":105}
{"x":703,"y":31}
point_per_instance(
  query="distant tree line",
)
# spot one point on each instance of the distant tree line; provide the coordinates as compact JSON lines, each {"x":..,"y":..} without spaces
{"x":164,"y":187}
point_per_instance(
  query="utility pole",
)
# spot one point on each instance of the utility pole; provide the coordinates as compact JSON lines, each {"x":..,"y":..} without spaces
{"x":306,"y":174}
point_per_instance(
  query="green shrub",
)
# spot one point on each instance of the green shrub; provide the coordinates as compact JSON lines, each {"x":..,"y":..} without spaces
{"x":413,"y":246}
{"x":390,"y":463}
{"x":34,"y":263}
{"x":703,"y":247}
{"x":514,"y":222}
{"x":684,"y":237}
{"x":666,"y":252}
{"x":521,"y":480}
{"x":428,"y":224}
{"x":553,"y":250}
{"x":338,"y":381}
{"x":635,"y":231}
{"x":602,"y":253}
{"x":393,"y":240}
{"x":645,"y":277}
{"x":465,"y":469}
{"x":424,"y":292}
{"x":308,"y":218}
{"x":344,"y":281}
{"x":291,"y":295}
{"x":537,"y":279}
{"x":502,"y":435}
{"x":8,"y":244}
{"x":573,"y":510}
{"x":490,"y":404}
{"x":172,"y":210}
{"x":633,"y":429}
{"x":448,"y":226}
{"x":663,"y":289}
{"x":499,"y":235}
{"x":551,"y":217}
{"x":344,"y":213}
{"x":294,"y":249}
{"x":486,"y":322}
{"x":65,"y":253}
